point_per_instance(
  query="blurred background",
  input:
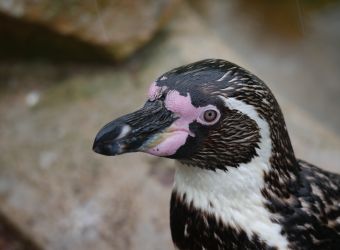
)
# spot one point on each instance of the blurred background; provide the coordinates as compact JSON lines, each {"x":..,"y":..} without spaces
{"x":68,"y":67}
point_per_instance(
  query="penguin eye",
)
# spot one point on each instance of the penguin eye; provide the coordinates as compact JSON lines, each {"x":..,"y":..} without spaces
{"x":209,"y":116}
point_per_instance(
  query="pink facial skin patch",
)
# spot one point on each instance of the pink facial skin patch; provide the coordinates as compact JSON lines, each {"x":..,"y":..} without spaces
{"x":155,"y":91}
{"x":175,"y":136}
{"x":173,"y":141}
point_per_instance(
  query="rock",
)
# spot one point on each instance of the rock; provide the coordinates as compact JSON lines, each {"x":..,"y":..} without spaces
{"x":65,"y":196}
{"x":121,"y":27}
{"x":57,"y":190}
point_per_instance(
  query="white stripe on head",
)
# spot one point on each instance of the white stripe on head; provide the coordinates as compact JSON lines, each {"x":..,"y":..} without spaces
{"x":224,"y":76}
{"x":235,"y":194}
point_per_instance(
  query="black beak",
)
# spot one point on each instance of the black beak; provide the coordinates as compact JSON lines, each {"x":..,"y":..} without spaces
{"x":128,"y":133}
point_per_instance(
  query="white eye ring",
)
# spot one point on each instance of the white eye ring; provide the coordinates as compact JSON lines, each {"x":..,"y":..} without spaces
{"x":209,"y":116}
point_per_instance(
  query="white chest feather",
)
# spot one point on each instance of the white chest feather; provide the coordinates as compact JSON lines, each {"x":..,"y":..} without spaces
{"x":234,"y":196}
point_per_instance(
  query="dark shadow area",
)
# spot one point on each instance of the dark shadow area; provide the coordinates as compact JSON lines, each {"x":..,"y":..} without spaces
{"x":11,"y":238}
{"x":23,"y":40}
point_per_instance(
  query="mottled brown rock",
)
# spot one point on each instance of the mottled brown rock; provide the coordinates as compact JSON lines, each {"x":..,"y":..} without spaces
{"x":51,"y":183}
{"x":121,"y":27}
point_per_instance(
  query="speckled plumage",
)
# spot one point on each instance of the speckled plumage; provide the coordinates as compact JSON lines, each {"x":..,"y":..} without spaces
{"x":309,"y":208}
{"x":240,"y":185}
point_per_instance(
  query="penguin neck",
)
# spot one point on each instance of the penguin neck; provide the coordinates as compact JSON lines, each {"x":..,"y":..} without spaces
{"x":282,"y":159}
{"x":284,"y":168}
{"x":233,"y":198}
{"x":200,"y":185}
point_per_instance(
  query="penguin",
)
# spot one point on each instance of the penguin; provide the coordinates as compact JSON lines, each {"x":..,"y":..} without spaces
{"x":239,"y":184}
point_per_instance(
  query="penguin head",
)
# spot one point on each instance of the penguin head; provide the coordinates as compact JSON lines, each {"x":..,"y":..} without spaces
{"x":211,"y":114}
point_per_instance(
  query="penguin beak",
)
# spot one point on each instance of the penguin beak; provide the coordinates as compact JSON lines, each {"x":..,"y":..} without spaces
{"x":133,"y":132}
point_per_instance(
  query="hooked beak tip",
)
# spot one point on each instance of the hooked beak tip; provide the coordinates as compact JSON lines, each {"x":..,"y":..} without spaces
{"x":106,"y":141}
{"x":105,"y":149}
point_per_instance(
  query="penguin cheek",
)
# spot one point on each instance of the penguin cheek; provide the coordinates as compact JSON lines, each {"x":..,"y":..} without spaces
{"x":167,"y":143}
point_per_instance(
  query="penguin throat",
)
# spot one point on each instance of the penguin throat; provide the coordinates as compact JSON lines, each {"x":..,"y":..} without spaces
{"x":233,"y":197}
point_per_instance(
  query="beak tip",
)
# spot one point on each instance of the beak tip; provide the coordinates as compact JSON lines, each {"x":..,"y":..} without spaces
{"x":96,"y":145}
{"x":96,"y":148}
{"x":105,"y":149}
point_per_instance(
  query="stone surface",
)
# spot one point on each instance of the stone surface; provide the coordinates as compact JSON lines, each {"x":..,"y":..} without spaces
{"x":66,"y":197}
{"x":121,"y":27}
